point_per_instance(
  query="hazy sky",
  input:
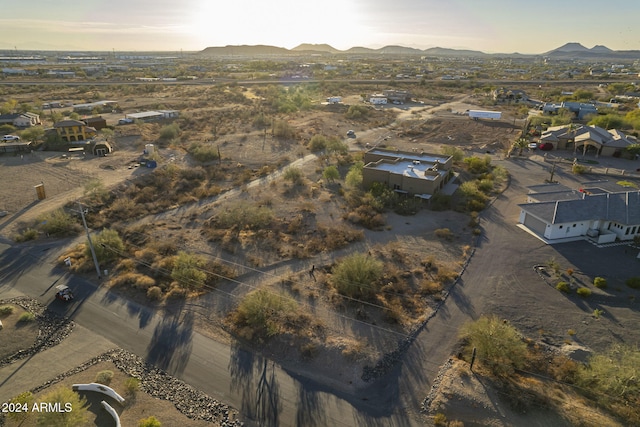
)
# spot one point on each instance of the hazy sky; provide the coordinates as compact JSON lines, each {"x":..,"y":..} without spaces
{"x":503,"y":26}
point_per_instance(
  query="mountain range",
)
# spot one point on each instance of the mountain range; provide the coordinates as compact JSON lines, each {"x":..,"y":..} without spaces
{"x":567,"y":51}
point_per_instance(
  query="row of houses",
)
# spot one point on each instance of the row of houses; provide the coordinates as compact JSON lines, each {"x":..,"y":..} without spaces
{"x":556,"y":213}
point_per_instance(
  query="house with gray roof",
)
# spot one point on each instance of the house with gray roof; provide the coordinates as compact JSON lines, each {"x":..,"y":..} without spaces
{"x":602,"y":216}
{"x":418,"y":174}
{"x":584,"y":139}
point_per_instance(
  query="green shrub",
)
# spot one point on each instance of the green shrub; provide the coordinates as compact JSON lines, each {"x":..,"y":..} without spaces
{"x":243,"y":214}
{"x":583,"y":292}
{"x":104,"y":377}
{"x":282,"y":129}
{"x":154,"y":293}
{"x":294,"y":175}
{"x":357,"y":112}
{"x":600,"y":282}
{"x":578,"y":169}
{"x":187,"y":270}
{"x":633,"y":282}
{"x":108,"y":246}
{"x":57,"y":222}
{"x":203,"y":153}
{"x":6,"y":310}
{"x":498,"y":344}
{"x":28,"y":234}
{"x":27,"y":317}
{"x":357,"y":275}
{"x":331,"y":173}
{"x":317,"y":143}
{"x":478,"y":165}
{"x":563,"y":287}
{"x":149,"y":422}
{"x":456,"y":153}
{"x":264,"y":311}
{"x":131,"y":386}
{"x":440,"y":202}
{"x":169,"y":132}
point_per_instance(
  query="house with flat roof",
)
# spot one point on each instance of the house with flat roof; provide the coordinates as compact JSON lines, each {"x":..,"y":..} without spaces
{"x":599,"y":215}
{"x":584,"y":139}
{"x":416,"y":174}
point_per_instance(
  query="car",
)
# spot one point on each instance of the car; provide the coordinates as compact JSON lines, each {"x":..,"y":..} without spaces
{"x":10,"y":138}
{"x":532,"y":145}
{"x":546,"y":146}
{"x":351,"y":134}
{"x":64,"y":293}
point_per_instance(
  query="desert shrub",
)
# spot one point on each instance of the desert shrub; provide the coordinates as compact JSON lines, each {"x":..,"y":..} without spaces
{"x":149,"y":422}
{"x":577,"y":169}
{"x":243,"y":215}
{"x":294,"y":175}
{"x":563,"y":287}
{"x":357,"y":275}
{"x":633,"y":282}
{"x":169,"y":132}
{"x":27,"y":317}
{"x":108,"y":246}
{"x":104,"y":377}
{"x":282,"y":129}
{"x":485,"y":185}
{"x":612,"y":379}
{"x":335,"y":146}
{"x":440,"y":419}
{"x":77,"y":417}
{"x":444,"y":233}
{"x":454,"y":152}
{"x":600,"y":282}
{"x":154,"y":293}
{"x":6,"y":310}
{"x":317,"y":143}
{"x":203,"y":152}
{"x":357,"y":112}
{"x":263,"y":311}
{"x":477,"y":165}
{"x":57,"y":222}
{"x":583,"y":292}
{"x":26,"y":235}
{"x":331,"y":173}
{"x":187,"y":271}
{"x":95,"y":191}
{"x":131,"y":386}
{"x":498,"y":344}
{"x":407,"y":206}
{"x":354,"y":176}
{"x":25,"y":398}
{"x":440,"y":202}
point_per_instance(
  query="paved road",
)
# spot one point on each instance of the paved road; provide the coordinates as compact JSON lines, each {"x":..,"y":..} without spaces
{"x":260,"y":389}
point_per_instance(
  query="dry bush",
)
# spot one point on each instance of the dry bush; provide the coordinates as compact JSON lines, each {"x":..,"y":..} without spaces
{"x":154,"y":293}
{"x":445,"y":275}
{"x":430,"y":287}
{"x":444,"y":233}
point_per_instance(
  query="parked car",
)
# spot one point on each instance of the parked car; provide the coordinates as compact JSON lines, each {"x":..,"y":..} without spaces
{"x":546,"y":146}
{"x":64,"y":293}
{"x":532,"y":146}
{"x":351,"y":134}
{"x":11,"y":138}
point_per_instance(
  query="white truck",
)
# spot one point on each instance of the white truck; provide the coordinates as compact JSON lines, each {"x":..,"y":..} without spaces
{"x":480,"y":114}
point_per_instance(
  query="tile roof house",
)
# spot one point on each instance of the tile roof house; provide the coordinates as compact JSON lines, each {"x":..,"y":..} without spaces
{"x":74,"y":130}
{"x":604,"y":217}
{"x":587,"y":139}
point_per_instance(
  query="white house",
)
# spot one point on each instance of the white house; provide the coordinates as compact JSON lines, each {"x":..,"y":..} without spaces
{"x":603,"y":217}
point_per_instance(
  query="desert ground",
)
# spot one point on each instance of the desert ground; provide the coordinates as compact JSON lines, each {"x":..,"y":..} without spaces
{"x":428,"y":126}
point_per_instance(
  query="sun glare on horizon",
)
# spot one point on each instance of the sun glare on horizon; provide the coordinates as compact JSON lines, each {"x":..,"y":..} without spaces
{"x":282,"y":23}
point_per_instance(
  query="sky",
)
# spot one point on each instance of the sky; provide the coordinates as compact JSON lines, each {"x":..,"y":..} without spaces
{"x":492,"y":26}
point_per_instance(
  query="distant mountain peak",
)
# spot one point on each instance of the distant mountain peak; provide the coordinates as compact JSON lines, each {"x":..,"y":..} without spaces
{"x":571,"y":47}
{"x":600,"y":49}
{"x":317,"y":47}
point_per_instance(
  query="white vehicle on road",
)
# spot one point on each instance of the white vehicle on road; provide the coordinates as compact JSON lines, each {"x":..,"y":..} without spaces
{"x":11,"y":138}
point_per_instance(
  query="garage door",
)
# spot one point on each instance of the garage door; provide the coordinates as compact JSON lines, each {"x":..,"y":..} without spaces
{"x":535,"y":224}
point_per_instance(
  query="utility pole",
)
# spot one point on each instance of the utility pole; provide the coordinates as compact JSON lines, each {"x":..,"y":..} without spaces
{"x":93,"y":251}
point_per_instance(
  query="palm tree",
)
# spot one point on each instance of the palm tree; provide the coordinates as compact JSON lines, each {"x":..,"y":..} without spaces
{"x":520,"y":143}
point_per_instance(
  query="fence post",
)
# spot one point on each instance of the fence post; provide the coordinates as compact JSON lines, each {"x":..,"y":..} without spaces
{"x":473,"y":358}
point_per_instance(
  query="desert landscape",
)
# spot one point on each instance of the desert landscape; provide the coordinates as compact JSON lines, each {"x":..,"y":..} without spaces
{"x":244,"y":220}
